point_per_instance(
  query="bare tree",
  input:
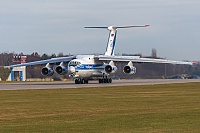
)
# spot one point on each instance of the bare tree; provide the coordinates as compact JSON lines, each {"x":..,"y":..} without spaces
{"x":60,"y":54}
{"x":154,"y":53}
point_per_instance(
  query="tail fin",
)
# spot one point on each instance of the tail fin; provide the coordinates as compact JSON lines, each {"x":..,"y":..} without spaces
{"x":110,"y":49}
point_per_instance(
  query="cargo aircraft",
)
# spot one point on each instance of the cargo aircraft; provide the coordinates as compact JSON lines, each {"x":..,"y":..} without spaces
{"x":95,"y":67}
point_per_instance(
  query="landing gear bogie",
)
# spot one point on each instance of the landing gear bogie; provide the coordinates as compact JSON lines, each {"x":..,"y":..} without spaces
{"x":105,"y":80}
{"x":81,"y":81}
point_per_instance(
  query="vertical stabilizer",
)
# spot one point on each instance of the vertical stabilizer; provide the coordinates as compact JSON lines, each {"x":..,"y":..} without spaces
{"x":110,"y":49}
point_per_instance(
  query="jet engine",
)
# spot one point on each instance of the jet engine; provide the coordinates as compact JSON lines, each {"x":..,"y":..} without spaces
{"x":129,"y":69}
{"x":111,"y":68}
{"x":61,"y":69}
{"x":47,"y":71}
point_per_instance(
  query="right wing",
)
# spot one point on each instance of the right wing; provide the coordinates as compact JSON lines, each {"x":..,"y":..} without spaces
{"x":137,"y":59}
{"x":51,"y":61}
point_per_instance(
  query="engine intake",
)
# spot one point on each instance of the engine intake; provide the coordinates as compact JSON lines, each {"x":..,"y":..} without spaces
{"x":129,"y":69}
{"x":61,"y":70}
{"x":47,"y":71}
{"x":110,"y":69}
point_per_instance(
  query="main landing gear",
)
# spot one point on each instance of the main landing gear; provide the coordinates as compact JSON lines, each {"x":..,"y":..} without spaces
{"x":105,"y":80}
{"x":85,"y":81}
{"x":81,"y":81}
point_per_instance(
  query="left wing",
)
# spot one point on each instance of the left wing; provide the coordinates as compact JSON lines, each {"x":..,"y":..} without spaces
{"x":50,"y":61}
{"x":137,"y":59}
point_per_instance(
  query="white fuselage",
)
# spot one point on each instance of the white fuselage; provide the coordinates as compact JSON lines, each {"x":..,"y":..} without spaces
{"x":85,"y":66}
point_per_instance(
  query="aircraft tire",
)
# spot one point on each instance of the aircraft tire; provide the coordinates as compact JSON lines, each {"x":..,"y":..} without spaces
{"x":109,"y":80}
{"x":77,"y":81}
{"x":81,"y":81}
{"x":86,"y":81}
{"x":100,"y":81}
{"x":106,"y":80}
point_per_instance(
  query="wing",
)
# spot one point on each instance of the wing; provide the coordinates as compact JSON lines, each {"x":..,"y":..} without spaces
{"x":137,"y":59}
{"x":51,"y":61}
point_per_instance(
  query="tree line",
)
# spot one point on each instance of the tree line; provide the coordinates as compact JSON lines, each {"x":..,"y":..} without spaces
{"x":144,"y":70}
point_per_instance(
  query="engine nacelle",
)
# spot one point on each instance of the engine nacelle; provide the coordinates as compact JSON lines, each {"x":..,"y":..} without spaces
{"x":61,"y":70}
{"x":110,"y":69}
{"x":47,"y":71}
{"x":129,"y":69}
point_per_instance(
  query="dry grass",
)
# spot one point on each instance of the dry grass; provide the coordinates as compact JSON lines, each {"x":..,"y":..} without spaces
{"x":149,"y":108}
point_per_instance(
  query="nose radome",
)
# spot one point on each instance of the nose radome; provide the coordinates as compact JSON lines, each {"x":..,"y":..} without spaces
{"x":71,"y":69}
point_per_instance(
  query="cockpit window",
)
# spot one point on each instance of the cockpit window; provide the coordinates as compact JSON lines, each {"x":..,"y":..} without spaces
{"x":74,"y":63}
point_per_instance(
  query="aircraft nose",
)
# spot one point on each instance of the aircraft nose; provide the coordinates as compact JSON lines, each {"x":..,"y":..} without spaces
{"x":72,"y":69}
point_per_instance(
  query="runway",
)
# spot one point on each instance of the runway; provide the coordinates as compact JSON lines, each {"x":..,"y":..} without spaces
{"x":70,"y":84}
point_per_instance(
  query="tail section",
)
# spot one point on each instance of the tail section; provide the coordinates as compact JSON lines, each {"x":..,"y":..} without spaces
{"x":110,"y":49}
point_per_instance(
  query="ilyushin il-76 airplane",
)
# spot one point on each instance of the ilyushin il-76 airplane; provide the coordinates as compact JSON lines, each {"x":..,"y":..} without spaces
{"x":95,"y":67}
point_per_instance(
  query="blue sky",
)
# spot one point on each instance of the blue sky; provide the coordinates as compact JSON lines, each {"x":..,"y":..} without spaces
{"x":54,"y":26}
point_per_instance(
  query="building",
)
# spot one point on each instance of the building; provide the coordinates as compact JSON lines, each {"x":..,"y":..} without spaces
{"x":18,"y":73}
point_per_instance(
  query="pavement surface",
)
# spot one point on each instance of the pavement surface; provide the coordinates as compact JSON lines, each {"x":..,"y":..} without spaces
{"x":70,"y":84}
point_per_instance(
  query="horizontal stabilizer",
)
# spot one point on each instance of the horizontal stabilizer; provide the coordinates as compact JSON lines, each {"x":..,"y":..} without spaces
{"x":97,"y":27}
{"x":116,"y":27}
{"x":132,"y":26}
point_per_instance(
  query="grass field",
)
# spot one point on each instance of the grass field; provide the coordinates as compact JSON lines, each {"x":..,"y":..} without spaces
{"x":149,"y":108}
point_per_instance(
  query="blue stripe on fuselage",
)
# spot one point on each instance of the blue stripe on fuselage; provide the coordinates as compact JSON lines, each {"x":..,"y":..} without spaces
{"x":88,"y":67}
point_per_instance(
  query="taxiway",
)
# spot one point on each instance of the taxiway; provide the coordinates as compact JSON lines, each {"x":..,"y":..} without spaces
{"x":70,"y":84}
